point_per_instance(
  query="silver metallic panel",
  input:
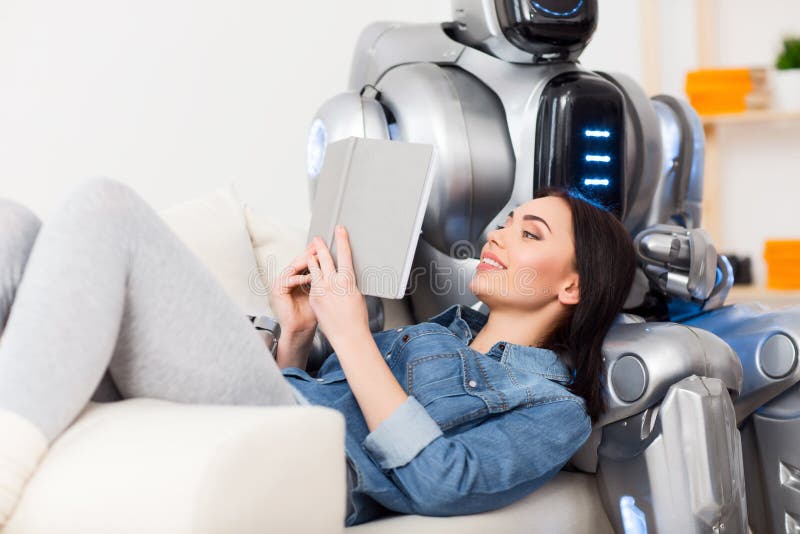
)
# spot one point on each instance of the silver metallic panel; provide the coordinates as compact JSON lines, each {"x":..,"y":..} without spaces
{"x":778,"y":356}
{"x":669,"y":352}
{"x":455,"y":113}
{"x":438,"y":281}
{"x":477,"y":25}
{"x":680,"y":464}
{"x":629,"y":377}
{"x":779,"y":467}
{"x":363,"y":54}
{"x":766,"y":342}
{"x":679,"y":194}
{"x":746,"y":327}
{"x":384,"y":46}
{"x":350,"y":115}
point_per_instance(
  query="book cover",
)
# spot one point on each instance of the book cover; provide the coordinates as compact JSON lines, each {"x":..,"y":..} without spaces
{"x":379,"y":191}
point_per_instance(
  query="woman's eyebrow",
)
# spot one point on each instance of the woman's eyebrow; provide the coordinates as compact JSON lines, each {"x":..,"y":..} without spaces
{"x":529,"y":217}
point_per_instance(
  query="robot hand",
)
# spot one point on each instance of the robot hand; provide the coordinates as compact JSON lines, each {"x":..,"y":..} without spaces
{"x":684,"y":263}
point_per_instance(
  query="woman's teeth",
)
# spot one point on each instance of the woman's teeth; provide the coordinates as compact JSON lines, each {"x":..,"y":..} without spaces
{"x":492,"y":263}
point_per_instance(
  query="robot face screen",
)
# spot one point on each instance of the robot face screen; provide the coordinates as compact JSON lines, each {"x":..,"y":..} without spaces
{"x":581,"y":139}
{"x":548,"y":28}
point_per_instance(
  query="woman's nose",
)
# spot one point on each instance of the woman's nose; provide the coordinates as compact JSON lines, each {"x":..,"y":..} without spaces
{"x":496,"y":236}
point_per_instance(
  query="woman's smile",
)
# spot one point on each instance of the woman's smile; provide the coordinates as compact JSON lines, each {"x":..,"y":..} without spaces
{"x":490,"y":262}
{"x":487,"y":264}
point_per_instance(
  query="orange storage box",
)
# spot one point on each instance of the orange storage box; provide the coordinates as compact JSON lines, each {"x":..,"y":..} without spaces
{"x":783,"y":263}
{"x":713,"y":91}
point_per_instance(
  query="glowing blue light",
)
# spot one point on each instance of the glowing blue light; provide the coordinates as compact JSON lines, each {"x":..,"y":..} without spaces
{"x":315,"y":149}
{"x":600,"y":159}
{"x":633,"y":519}
{"x":597,"y":133}
{"x":596,"y":181}
{"x":569,"y":13}
{"x":394,"y":131}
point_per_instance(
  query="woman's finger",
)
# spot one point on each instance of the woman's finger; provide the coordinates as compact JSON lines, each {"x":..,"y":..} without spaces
{"x":324,"y":256}
{"x":300,"y":263}
{"x":313,"y":268}
{"x":297,"y":266}
{"x":296,"y":280}
{"x":344,"y":255}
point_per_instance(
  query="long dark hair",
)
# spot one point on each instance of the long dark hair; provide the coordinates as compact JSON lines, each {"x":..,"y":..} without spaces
{"x":605,"y":262}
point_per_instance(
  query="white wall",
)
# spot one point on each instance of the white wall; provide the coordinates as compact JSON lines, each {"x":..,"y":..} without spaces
{"x":616,"y":44}
{"x":750,"y":32}
{"x":174,"y":97}
{"x":677,"y":41}
{"x":759,"y":165}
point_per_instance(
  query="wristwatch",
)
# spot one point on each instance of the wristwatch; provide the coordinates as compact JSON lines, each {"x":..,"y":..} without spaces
{"x":269,"y":329}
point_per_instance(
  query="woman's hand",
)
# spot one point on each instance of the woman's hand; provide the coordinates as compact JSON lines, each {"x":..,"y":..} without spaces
{"x":288,"y":298}
{"x":336,"y":300}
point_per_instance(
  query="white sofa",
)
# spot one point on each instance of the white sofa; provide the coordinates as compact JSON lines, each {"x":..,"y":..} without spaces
{"x":150,"y":466}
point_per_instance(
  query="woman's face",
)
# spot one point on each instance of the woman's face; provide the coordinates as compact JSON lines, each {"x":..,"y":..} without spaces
{"x":536,"y":249}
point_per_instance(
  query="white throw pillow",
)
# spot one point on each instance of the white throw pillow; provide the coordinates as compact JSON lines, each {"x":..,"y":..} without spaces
{"x":275,"y":245}
{"x":214,"y":228}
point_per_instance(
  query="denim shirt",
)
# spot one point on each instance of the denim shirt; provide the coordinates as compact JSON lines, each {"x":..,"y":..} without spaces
{"x":477,"y":432}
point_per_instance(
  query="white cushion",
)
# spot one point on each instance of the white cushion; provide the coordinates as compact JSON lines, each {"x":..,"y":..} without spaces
{"x":275,"y":245}
{"x":567,"y":504}
{"x":146,"y":466}
{"x":214,"y":228}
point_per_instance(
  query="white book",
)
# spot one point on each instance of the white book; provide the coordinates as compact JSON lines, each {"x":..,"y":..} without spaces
{"x":378,"y":190}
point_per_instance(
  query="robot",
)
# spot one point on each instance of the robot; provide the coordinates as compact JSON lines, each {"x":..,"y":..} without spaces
{"x":500,"y":94}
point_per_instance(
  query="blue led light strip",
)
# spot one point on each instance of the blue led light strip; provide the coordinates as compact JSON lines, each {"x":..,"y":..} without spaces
{"x":596,"y":181}
{"x":569,"y":13}
{"x":599,"y":159}
{"x":597,"y":133}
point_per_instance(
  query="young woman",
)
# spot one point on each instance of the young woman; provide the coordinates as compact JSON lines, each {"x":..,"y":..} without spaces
{"x":458,"y":414}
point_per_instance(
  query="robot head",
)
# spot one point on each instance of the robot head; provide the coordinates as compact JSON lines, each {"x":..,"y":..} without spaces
{"x":526,"y":31}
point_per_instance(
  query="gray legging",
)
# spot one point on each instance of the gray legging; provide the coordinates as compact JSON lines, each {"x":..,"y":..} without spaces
{"x":109,"y":287}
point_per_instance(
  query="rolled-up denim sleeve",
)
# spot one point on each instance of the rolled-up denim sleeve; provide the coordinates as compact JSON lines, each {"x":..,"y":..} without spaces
{"x":402,"y":435}
{"x":486,"y":467}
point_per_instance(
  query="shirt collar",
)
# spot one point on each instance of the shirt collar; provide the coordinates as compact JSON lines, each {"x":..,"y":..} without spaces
{"x":466,"y":322}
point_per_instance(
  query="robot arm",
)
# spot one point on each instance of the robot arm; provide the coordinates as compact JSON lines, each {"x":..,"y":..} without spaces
{"x":684,"y":263}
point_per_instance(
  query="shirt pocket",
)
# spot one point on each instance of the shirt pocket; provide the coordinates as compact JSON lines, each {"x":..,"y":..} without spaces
{"x":438,"y":383}
{"x":505,"y":388}
{"x":492,"y":382}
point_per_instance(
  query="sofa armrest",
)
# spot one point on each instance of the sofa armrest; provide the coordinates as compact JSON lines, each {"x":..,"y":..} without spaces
{"x":143,"y":465}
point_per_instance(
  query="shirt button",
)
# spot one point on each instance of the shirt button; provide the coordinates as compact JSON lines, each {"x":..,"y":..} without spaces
{"x":502,"y":346}
{"x":405,"y":337}
{"x":320,"y":380}
{"x":388,"y":355}
{"x":472,"y":383}
{"x":399,"y":329}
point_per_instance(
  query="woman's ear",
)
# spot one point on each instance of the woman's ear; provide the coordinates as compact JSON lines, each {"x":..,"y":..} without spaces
{"x":570,"y":293}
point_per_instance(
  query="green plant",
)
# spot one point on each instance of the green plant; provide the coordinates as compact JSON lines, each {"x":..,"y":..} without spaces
{"x":789,"y":57}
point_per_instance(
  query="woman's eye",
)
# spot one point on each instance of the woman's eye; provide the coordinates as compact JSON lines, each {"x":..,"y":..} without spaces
{"x":530,"y":234}
{"x":525,"y":233}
